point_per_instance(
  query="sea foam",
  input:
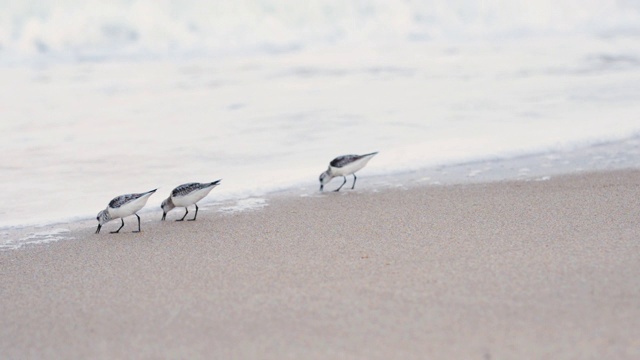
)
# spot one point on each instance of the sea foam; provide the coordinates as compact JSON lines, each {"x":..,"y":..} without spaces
{"x":97,"y":30}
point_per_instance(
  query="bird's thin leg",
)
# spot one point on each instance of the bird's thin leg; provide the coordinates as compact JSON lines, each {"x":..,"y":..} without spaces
{"x":138,"y":223}
{"x":115,"y":232}
{"x":345,"y":181}
{"x":186,"y":211}
{"x":196,"y":215}
{"x":354,"y":182}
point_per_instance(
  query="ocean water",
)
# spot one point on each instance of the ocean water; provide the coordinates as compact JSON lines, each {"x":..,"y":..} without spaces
{"x":102,"y":99}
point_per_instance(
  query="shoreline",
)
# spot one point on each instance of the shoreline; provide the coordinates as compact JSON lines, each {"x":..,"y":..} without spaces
{"x":514,"y":269}
{"x":619,"y":154}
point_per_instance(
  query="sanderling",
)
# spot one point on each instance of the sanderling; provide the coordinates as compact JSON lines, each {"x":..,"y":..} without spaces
{"x":123,"y":206}
{"x":345,"y":165}
{"x":185,"y":195}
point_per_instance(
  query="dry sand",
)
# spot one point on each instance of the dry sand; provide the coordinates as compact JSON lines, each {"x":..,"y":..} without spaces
{"x":514,"y":270}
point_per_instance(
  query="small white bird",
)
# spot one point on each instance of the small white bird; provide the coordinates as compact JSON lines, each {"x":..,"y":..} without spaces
{"x":123,"y":206}
{"x":345,"y":165}
{"x":186,"y":195}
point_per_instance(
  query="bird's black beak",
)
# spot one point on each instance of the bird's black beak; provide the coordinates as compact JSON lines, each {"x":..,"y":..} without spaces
{"x":164,"y":215}
{"x":98,"y":229}
{"x":321,"y":187}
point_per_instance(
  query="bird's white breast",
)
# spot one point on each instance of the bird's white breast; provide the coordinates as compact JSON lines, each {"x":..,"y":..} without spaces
{"x":129,"y":208}
{"x":350,"y":168}
{"x":191,"y":198}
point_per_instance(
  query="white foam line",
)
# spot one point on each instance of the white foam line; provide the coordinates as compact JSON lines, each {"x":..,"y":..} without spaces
{"x":42,"y":237}
{"x":244,"y":205}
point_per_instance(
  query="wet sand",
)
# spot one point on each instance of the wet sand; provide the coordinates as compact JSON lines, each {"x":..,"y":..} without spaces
{"x":523,"y":269}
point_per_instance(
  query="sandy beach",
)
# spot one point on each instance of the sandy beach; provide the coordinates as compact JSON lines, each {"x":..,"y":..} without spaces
{"x":505,"y":270}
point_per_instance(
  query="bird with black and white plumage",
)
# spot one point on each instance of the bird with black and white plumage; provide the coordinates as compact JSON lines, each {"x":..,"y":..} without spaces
{"x":345,"y":165}
{"x":186,"y":195}
{"x":121,"y":207}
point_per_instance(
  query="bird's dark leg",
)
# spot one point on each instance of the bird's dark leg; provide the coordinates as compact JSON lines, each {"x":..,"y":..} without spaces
{"x":354,"y":182}
{"x":196,"y":215}
{"x":115,"y":232}
{"x":345,"y":181}
{"x":186,"y":211}
{"x":138,"y":223}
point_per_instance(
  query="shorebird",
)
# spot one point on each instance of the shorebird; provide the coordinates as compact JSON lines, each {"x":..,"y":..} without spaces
{"x":186,"y":195}
{"x":121,"y":207}
{"x":345,"y":165}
